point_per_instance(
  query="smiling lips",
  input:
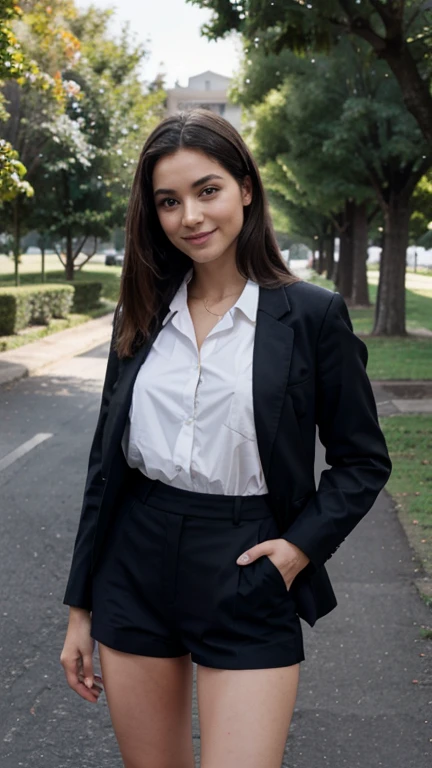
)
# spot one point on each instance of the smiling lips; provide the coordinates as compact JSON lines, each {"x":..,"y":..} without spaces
{"x":199,"y":239}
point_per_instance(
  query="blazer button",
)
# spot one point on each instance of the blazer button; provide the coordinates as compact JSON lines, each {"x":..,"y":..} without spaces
{"x":104,"y":479}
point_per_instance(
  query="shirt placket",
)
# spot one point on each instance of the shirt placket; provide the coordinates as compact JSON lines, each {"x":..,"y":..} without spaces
{"x":183,"y":452}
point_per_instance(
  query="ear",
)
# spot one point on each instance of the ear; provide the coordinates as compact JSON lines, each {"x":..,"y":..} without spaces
{"x":246,"y":190}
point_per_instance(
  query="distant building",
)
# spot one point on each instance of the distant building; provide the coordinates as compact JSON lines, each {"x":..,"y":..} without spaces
{"x":208,"y":90}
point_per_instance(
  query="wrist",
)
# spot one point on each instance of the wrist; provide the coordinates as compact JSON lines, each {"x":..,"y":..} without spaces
{"x":301,"y":559}
{"x":78,"y":614}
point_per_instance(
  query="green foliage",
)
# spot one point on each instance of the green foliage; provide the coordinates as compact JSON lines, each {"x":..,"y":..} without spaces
{"x":22,"y":33}
{"x":399,"y":33}
{"x":13,"y":61}
{"x":421,"y":217}
{"x":299,"y":25}
{"x":86,"y":296}
{"x":32,"y":304}
{"x":322,"y":138}
{"x":80,"y":142}
{"x":12,"y":172}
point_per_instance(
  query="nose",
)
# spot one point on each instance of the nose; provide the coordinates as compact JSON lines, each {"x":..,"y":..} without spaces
{"x":192,"y":214}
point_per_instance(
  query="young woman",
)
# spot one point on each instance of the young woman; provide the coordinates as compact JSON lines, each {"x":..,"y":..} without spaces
{"x":202,"y":535}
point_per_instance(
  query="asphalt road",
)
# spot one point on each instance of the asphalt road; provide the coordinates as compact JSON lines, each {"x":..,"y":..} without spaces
{"x":365,"y":698}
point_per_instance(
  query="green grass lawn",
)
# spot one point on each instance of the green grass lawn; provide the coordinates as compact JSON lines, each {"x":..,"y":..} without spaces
{"x":409,"y":441}
{"x":30,"y":274}
{"x":403,"y":357}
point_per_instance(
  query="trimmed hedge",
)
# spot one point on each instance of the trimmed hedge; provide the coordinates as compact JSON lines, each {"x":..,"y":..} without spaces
{"x":33,"y":304}
{"x":87,"y":296}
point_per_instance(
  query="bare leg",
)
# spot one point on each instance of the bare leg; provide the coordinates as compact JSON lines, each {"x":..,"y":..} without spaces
{"x":150,"y":703}
{"x":245,"y":715}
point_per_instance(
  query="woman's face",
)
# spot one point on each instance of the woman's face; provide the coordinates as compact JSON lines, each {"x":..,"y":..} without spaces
{"x":199,"y":204}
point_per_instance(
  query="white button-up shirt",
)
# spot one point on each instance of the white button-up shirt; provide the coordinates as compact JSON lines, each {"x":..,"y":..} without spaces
{"x":191,"y":422}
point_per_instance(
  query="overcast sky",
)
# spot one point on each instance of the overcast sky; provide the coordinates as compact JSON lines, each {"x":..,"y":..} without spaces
{"x":170,"y":29}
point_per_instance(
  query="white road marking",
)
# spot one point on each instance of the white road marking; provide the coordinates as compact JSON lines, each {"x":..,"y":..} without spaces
{"x":23,"y":449}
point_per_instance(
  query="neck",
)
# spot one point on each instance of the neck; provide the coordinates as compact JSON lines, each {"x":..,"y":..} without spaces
{"x":213,"y":281}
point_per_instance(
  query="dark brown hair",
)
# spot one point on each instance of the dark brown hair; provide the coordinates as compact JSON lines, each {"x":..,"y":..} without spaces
{"x":153,"y":267}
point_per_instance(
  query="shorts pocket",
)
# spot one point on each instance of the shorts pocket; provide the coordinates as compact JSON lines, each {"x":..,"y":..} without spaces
{"x":274,"y":573}
{"x":261,"y":586}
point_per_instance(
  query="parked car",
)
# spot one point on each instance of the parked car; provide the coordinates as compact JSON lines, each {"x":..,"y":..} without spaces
{"x":119,"y":259}
{"x":110,"y":258}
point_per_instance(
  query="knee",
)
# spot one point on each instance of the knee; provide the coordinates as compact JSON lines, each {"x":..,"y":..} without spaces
{"x":142,"y":762}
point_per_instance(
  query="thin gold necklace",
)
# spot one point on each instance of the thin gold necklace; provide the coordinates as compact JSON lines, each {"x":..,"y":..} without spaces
{"x":218,"y":302}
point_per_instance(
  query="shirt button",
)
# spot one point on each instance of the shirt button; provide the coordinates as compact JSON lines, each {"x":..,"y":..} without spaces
{"x":178,"y":468}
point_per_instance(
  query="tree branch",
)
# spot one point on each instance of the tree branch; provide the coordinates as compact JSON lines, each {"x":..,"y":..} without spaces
{"x":360,"y":26}
{"x":90,"y":256}
{"x":59,"y":256}
{"x":78,"y":250}
{"x":373,"y":213}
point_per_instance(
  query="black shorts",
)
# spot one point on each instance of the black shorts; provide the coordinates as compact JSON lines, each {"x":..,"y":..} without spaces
{"x":167,"y":583}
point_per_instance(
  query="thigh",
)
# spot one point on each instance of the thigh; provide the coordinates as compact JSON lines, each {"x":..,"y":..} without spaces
{"x":150,"y":703}
{"x":245,"y":715}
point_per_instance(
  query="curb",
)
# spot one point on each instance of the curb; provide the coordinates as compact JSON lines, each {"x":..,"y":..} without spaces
{"x":29,"y":359}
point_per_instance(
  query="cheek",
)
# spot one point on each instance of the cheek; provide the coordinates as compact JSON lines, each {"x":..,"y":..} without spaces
{"x":169,"y":222}
{"x":229,"y":213}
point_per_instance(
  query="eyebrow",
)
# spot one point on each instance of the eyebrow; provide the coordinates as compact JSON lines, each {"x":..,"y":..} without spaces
{"x":197,"y":183}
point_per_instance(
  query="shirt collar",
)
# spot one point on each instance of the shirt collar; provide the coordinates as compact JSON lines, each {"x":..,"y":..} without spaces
{"x":247,"y":302}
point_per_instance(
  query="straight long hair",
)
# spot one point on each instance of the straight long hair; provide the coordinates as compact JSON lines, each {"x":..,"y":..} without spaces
{"x":153,"y":267}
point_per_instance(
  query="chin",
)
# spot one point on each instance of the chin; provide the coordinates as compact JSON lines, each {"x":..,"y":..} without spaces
{"x":202,"y":258}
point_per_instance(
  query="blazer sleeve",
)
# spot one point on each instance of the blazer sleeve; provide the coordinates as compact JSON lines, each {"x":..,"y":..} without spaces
{"x":348,"y":428}
{"x":78,"y":590}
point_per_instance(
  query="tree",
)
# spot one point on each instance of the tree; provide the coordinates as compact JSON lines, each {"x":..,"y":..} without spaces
{"x":12,"y":65}
{"x":111,"y":111}
{"x":79,"y":148}
{"x":30,"y":92}
{"x":293,"y":127}
{"x":399,"y":32}
{"x":356,"y":129}
{"x":420,"y":232}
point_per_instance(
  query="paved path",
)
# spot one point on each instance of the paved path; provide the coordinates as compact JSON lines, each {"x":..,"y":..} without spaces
{"x":358,"y":706}
{"x":30,"y":359}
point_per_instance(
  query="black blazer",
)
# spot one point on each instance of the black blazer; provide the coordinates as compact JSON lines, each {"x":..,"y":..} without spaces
{"x":309,"y":369}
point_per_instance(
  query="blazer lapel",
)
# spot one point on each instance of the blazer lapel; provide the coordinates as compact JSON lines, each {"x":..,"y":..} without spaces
{"x":271,"y":365}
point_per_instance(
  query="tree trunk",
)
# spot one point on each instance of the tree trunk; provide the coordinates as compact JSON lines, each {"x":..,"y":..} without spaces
{"x":415,"y":88}
{"x":42,"y":247}
{"x":69,"y":257}
{"x":320,"y":266}
{"x":330,"y":248}
{"x":390,"y":306}
{"x":344,"y":281}
{"x":360,"y":289}
{"x":16,"y":238}
{"x":314,"y":261}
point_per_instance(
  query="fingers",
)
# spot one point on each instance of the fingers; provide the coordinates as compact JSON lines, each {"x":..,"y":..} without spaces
{"x":77,"y":668}
{"x":87,"y":670}
{"x":249,"y":555}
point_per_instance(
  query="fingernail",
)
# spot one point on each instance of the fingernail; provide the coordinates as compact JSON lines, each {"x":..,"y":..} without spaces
{"x":243,"y":559}
{"x":88,"y":682}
